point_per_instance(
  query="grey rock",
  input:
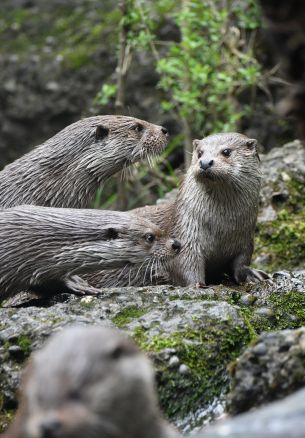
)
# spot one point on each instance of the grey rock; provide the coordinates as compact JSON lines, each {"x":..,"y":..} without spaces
{"x":173,"y":330}
{"x":192,"y":335}
{"x":282,"y":419}
{"x":278,"y":168}
{"x":268,"y":370}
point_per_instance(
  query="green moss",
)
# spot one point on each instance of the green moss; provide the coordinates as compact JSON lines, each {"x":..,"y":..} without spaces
{"x":206,"y":353}
{"x":288,"y":312}
{"x":5,"y":419}
{"x":283,"y":239}
{"x":25,"y":344}
{"x":127,"y":315}
{"x":5,"y":415}
{"x":289,"y":309}
{"x":87,"y":304}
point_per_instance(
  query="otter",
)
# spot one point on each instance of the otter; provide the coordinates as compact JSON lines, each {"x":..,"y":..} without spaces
{"x":43,"y":247}
{"x":89,"y":382}
{"x":67,"y":169}
{"x":213,"y":215}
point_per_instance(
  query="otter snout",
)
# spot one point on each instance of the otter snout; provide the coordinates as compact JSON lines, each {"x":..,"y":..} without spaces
{"x":176,"y":246}
{"x":50,"y":427}
{"x":206,"y":164}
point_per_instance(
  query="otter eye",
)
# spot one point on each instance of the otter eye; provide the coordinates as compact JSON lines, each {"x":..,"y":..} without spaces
{"x":199,"y":154}
{"x":111,"y":234}
{"x":138,"y":127}
{"x":149,"y":237}
{"x":117,"y":352}
{"x":75,"y":394}
{"x":226,"y":152}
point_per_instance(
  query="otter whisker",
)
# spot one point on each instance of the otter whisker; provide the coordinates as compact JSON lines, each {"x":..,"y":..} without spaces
{"x":151,"y":269}
{"x":137,"y":273}
{"x":147,"y":268}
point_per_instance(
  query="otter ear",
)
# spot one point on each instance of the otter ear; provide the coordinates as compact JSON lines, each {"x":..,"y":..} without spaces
{"x":251,"y":144}
{"x":111,"y":234}
{"x":195,"y":143}
{"x":101,"y":132}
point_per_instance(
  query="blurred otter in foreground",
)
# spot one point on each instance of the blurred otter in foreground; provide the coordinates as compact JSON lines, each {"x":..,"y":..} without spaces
{"x":89,"y":382}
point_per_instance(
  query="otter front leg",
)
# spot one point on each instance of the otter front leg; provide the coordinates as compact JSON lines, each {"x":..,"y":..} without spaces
{"x":193,"y":273}
{"x":79,"y":286}
{"x":242,"y":273}
{"x":69,"y":284}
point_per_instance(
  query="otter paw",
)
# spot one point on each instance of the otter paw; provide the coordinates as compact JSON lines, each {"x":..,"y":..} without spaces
{"x":250,"y":275}
{"x":79,"y":286}
{"x":200,"y":285}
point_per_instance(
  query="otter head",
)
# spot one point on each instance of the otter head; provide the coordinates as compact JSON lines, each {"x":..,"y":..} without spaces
{"x":118,"y":141}
{"x":226,"y":158}
{"x":88,"y":382}
{"x":150,"y":243}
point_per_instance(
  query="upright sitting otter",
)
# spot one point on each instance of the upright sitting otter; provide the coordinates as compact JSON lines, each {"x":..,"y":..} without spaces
{"x":89,"y":382}
{"x":213,"y":216}
{"x":67,"y":169}
{"x":42,"y":247}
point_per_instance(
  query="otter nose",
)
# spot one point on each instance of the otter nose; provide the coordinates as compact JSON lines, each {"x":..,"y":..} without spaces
{"x":50,"y":427}
{"x":204,"y":165}
{"x":164,"y":130}
{"x":176,"y":245}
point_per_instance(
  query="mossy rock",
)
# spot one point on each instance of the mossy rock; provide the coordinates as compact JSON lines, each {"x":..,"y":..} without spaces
{"x":281,"y":226}
{"x":192,"y":335}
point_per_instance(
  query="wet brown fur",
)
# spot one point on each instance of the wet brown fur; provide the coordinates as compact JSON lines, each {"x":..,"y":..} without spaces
{"x":42,"y":248}
{"x":67,"y":169}
{"x":213,"y":215}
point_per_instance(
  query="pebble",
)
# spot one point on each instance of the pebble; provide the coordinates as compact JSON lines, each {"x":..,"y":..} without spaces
{"x":174,"y":361}
{"x":247,"y":299}
{"x":184,"y":369}
{"x":260,"y":349}
{"x":264,"y":311}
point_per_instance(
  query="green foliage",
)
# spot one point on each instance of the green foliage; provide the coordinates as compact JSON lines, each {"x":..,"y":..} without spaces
{"x":106,"y":93}
{"x":203,"y":74}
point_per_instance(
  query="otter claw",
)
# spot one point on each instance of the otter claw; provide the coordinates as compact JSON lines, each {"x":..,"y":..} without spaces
{"x":200,"y":285}
{"x":251,"y":275}
{"x":79,"y":286}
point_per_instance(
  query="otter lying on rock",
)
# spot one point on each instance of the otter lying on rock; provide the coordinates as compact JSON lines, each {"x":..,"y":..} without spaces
{"x":41,"y":247}
{"x":89,"y":382}
{"x":213,"y":215}
{"x":67,"y":169}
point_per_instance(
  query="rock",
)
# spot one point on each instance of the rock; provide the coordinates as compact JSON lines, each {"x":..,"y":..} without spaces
{"x":280,"y":167}
{"x":192,"y":335}
{"x":184,"y":337}
{"x":282,"y":419}
{"x":279,"y":240}
{"x":270,"y":369}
